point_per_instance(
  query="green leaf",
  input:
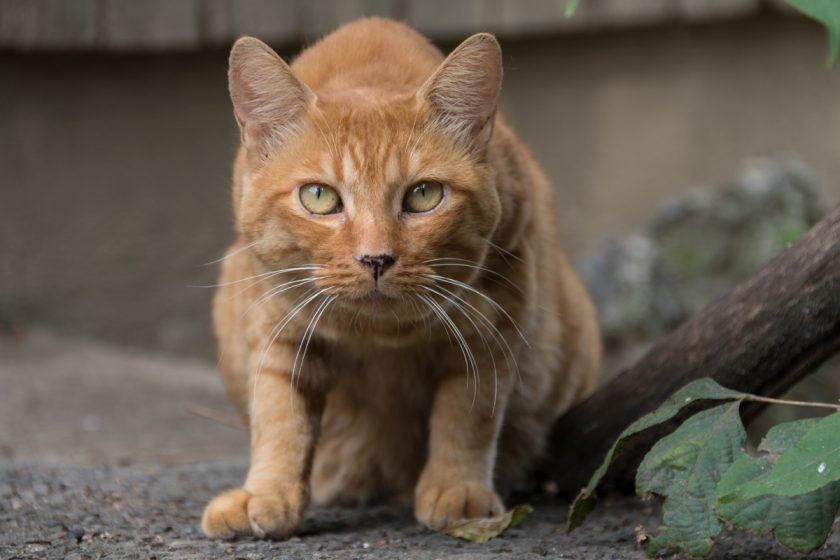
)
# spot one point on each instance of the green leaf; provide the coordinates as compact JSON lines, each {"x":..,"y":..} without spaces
{"x":801,"y":523}
{"x":827,"y":12}
{"x":700,"y":389}
{"x":685,"y":468}
{"x":571,"y":6}
{"x":809,"y":465}
{"x":483,"y":529}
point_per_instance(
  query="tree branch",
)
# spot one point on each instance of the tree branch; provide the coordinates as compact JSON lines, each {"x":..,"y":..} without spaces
{"x":765,"y":335}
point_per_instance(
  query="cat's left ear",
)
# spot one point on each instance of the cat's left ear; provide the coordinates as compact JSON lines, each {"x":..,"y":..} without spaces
{"x":463,"y":91}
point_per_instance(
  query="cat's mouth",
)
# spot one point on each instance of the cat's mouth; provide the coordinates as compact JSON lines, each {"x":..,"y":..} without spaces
{"x":375,"y":302}
{"x":375,"y":297}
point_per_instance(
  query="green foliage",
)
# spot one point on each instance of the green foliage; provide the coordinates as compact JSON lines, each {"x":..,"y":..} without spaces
{"x":791,"y":232}
{"x":801,"y":522}
{"x":700,"y":389}
{"x":685,"y":468}
{"x":708,"y":479}
{"x":809,"y":465}
{"x":827,"y":12}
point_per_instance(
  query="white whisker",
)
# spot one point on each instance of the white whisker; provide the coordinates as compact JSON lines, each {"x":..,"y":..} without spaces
{"x":304,"y":343}
{"x":469,"y":358}
{"x":478,"y":330}
{"x":232,"y":253}
{"x":502,"y":251}
{"x":470,"y":264}
{"x":279,"y":289}
{"x":498,"y":337}
{"x":486,"y":298}
{"x":273,"y":335}
{"x":262,"y":276}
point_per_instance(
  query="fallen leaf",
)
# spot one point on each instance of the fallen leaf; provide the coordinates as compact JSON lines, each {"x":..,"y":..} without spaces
{"x":641,"y":535}
{"x":482,"y":529}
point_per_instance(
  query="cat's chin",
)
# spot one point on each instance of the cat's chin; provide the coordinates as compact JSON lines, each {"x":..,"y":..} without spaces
{"x":373,"y":302}
{"x":380,"y":304}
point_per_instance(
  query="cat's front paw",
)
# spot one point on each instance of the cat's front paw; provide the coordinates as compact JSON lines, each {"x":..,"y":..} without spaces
{"x":436,"y":505}
{"x":239,"y":512}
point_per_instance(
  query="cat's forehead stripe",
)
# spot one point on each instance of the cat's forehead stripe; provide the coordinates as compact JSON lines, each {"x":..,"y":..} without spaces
{"x":328,"y":168}
{"x":349,"y":173}
{"x":392,"y":166}
{"x":413,"y":163}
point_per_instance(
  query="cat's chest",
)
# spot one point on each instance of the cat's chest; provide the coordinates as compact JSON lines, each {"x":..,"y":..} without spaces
{"x":373,"y":371}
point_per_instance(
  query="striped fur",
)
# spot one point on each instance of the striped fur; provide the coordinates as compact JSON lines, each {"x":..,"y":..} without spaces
{"x":436,"y":386}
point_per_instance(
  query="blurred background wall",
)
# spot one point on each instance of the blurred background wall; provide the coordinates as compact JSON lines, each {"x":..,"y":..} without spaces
{"x":116,"y":133}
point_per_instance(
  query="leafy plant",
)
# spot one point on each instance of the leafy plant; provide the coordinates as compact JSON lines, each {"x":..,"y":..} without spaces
{"x":826,"y":12}
{"x":708,"y":479}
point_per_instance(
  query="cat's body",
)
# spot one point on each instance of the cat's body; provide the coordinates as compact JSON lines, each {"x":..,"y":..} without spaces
{"x":359,"y":383}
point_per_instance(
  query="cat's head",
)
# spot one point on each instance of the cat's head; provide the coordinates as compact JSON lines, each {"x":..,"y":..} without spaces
{"x":369,"y":189}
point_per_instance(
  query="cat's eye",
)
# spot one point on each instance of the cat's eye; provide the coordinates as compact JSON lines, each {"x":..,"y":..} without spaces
{"x":320,"y":199}
{"x":423,"y":197}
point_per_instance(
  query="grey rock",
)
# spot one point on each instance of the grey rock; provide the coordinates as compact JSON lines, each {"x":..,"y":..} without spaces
{"x":697,"y":247}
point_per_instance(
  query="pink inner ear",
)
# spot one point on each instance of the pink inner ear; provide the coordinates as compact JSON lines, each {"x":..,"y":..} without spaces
{"x":465,"y":87}
{"x":268,"y":99}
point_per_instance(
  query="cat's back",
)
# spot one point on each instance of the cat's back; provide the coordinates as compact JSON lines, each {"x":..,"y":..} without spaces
{"x":368,"y":53}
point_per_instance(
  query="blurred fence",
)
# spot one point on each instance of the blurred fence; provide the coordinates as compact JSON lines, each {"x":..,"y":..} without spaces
{"x":190,"y":24}
{"x":116,"y":133}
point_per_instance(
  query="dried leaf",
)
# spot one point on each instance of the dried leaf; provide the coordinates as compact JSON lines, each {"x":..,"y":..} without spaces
{"x":482,"y":529}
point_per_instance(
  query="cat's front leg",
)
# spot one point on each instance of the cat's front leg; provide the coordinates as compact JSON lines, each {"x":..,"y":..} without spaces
{"x":284,"y":425}
{"x":457,"y":480}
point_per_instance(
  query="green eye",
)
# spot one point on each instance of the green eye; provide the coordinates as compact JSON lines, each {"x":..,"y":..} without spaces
{"x":320,"y":199}
{"x":423,"y":197}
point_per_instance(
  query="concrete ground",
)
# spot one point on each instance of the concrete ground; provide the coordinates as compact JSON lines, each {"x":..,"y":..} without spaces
{"x":108,"y":453}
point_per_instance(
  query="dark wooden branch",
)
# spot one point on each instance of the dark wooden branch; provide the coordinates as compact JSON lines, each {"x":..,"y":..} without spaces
{"x":762,"y":337}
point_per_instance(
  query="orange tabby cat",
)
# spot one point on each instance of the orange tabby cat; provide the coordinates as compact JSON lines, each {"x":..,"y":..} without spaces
{"x":396,"y":319}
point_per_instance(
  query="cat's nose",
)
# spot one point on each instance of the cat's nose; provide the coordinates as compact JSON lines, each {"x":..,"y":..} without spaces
{"x":377,"y":264}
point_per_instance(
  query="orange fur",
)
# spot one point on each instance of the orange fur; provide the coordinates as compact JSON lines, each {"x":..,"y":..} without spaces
{"x":358,"y":389}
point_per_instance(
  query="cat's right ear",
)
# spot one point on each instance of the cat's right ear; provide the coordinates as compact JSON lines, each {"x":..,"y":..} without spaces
{"x":463,"y":90}
{"x":268,"y":99}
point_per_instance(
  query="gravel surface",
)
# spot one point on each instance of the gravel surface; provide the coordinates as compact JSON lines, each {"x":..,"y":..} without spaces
{"x":153,"y":512}
{"x":69,"y":407}
{"x":51,"y":512}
